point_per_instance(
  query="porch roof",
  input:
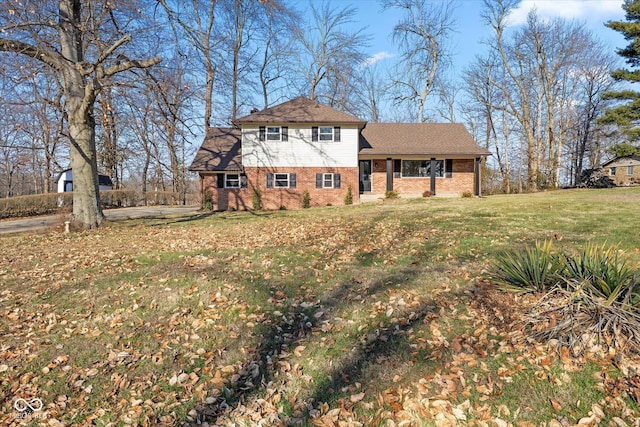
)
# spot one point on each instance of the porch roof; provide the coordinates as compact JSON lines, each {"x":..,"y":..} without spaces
{"x":428,"y":139}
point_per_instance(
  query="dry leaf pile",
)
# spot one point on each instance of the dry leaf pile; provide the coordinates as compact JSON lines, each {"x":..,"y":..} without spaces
{"x":284,"y":320}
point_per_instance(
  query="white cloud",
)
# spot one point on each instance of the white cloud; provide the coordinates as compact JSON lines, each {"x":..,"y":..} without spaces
{"x":376,"y":57}
{"x":600,"y":10}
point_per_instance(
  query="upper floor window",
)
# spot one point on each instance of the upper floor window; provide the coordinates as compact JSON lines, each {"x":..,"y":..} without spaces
{"x":325,"y":133}
{"x":273,"y":133}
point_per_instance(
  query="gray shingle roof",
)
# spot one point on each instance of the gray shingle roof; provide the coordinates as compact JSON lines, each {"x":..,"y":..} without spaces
{"x":300,"y":110}
{"x":220,"y":151}
{"x":436,"y":139}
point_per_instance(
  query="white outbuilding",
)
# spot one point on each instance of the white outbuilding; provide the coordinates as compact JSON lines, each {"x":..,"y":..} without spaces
{"x":65,"y":181}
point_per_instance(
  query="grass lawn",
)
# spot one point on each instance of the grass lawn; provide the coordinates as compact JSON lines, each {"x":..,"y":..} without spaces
{"x":368,"y":315}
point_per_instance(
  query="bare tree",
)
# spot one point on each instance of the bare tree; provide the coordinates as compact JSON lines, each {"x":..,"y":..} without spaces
{"x":195,"y":19}
{"x":421,"y":36}
{"x":278,"y":47}
{"x":76,"y":48}
{"x":329,"y":50}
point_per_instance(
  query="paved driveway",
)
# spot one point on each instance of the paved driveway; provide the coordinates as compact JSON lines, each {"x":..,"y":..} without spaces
{"x":40,"y":222}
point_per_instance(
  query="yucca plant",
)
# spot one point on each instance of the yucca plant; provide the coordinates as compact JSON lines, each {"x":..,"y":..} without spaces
{"x":602,"y":273}
{"x":529,"y":270}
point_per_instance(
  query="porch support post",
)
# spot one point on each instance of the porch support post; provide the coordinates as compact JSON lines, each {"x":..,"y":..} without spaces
{"x":389,"y":174}
{"x":433,"y":176}
{"x":477,"y":169}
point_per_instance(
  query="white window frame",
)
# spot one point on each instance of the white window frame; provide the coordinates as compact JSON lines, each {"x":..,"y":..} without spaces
{"x":228,"y":181}
{"x":328,"y":177}
{"x":279,"y":177}
{"x":322,"y":136}
{"x":273,"y":133}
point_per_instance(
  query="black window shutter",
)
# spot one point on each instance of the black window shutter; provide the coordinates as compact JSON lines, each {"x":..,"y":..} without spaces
{"x":292,"y":180}
{"x":314,"y":133}
{"x":285,"y":133}
{"x":448,"y":168}
{"x":269,"y":180}
{"x":243,"y":181}
{"x":220,"y":180}
{"x":336,"y":133}
{"x":263,"y":132}
{"x":397,"y":167}
{"x":336,"y":180}
{"x":318,"y":180}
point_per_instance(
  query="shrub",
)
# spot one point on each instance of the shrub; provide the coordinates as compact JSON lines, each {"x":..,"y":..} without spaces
{"x":208,"y":201}
{"x":427,"y":193}
{"x":601,"y":273}
{"x":528,"y":270}
{"x":306,"y":200}
{"x":348,"y":199}
{"x":391,"y":194}
{"x":256,"y":199}
{"x":467,"y":194}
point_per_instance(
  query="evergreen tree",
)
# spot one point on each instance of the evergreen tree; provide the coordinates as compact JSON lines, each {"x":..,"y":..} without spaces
{"x":627,"y":114}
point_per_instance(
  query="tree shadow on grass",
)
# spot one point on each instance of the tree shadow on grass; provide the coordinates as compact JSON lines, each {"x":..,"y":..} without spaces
{"x":377,"y":341}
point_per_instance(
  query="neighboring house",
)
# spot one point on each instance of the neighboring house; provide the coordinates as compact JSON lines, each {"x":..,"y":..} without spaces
{"x":65,"y":181}
{"x":280,"y":153}
{"x":624,"y":170}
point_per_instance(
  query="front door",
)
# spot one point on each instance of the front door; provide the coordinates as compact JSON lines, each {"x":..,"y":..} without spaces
{"x":365,"y":176}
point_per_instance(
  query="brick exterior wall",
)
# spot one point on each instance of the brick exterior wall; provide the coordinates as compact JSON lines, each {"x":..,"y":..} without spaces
{"x":289,"y":198}
{"x":462,"y":180}
{"x":622,"y":176}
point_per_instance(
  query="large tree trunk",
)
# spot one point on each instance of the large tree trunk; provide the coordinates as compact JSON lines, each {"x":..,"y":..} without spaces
{"x":86,"y":198}
{"x":79,"y":98}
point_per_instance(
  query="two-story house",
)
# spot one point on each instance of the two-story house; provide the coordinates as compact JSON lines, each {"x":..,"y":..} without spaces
{"x":277,"y":154}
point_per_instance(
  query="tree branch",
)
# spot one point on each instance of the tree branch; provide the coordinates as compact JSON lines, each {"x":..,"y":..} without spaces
{"x":8,"y":45}
{"x":125,"y":39}
{"x":127,"y":65}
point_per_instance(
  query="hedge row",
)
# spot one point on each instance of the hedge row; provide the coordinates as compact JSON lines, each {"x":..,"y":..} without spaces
{"x":44,"y":204}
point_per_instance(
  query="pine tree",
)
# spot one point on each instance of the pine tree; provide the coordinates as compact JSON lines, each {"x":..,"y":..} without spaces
{"x":627,"y":115}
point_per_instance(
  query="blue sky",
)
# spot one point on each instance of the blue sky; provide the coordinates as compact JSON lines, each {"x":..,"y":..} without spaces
{"x":469,"y":29}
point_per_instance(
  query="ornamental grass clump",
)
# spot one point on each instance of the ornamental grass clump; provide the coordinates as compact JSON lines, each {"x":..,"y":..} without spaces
{"x":601,"y":273}
{"x":590,"y":298}
{"x":528,"y":270}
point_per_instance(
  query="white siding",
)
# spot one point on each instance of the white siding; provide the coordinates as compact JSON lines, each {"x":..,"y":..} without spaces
{"x":299,"y":150}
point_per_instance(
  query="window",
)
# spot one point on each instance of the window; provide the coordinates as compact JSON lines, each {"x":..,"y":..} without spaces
{"x":327,"y":180}
{"x":612,"y":171}
{"x":232,"y":180}
{"x":281,"y":180}
{"x":421,"y":168}
{"x":325,"y":133}
{"x":629,"y":170}
{"x":273,"y":133}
